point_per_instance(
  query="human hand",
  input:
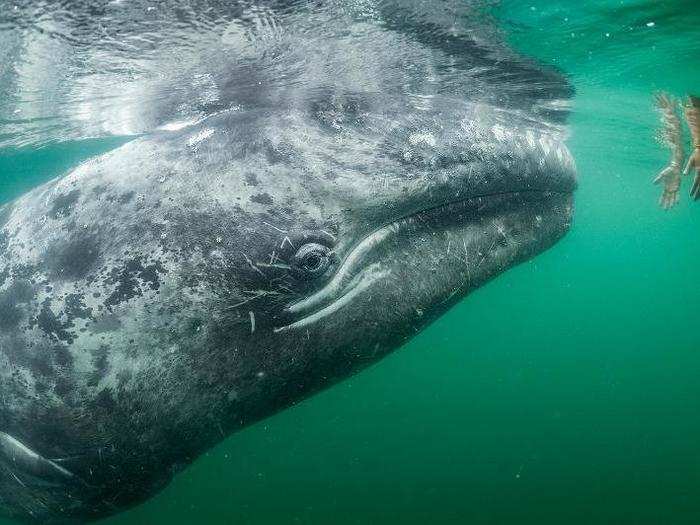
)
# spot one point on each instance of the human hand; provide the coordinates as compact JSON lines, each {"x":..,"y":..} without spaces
{"x":671,"y":178}
{"x":694,"y":163}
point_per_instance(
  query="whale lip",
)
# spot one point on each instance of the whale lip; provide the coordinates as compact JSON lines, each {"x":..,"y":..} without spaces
{"x":352,"y":278}
{"x":361,"y":282}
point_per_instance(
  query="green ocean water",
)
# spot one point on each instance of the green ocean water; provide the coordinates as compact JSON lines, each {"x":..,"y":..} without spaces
{"x":565,"y":391}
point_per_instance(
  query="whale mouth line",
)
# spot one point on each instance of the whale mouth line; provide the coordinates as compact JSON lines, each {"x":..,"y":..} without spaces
{"x":348,"y":282}
{"x":363,"y":281}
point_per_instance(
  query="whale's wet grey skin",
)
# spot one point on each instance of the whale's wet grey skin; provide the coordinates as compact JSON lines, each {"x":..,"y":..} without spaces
{"x":347,"y":182}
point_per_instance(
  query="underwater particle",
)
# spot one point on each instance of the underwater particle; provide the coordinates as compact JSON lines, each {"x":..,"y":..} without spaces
{"x":651,"y":24}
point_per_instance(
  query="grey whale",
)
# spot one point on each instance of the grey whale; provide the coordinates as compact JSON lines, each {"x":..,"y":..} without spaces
{"x":337,"y":182}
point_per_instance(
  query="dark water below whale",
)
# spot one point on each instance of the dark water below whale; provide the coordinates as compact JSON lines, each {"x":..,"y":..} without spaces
{"x":565,"y":391}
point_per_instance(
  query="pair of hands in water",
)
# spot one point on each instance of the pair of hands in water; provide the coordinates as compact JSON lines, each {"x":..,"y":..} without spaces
{"x":672,"y":136}
{"x":671,"y":177}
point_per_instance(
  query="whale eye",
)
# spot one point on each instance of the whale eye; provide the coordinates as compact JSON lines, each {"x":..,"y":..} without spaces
{"x":312,"y":259}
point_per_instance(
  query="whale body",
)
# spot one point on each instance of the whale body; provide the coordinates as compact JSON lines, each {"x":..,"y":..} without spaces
{"x":309,"y":185}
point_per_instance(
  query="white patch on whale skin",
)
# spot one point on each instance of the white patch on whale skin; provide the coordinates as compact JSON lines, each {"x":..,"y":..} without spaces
{"x":546,"y":144}
{"x":499,"y":133}
{"x":530,"y":137}
{"x":177,"y":125}
{"x":251,"y":314}
{"x":424,"y":137}
{"x":199,"y":137}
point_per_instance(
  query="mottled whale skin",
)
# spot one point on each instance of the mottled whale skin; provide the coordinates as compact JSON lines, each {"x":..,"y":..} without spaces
{"x":166,"y":294}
